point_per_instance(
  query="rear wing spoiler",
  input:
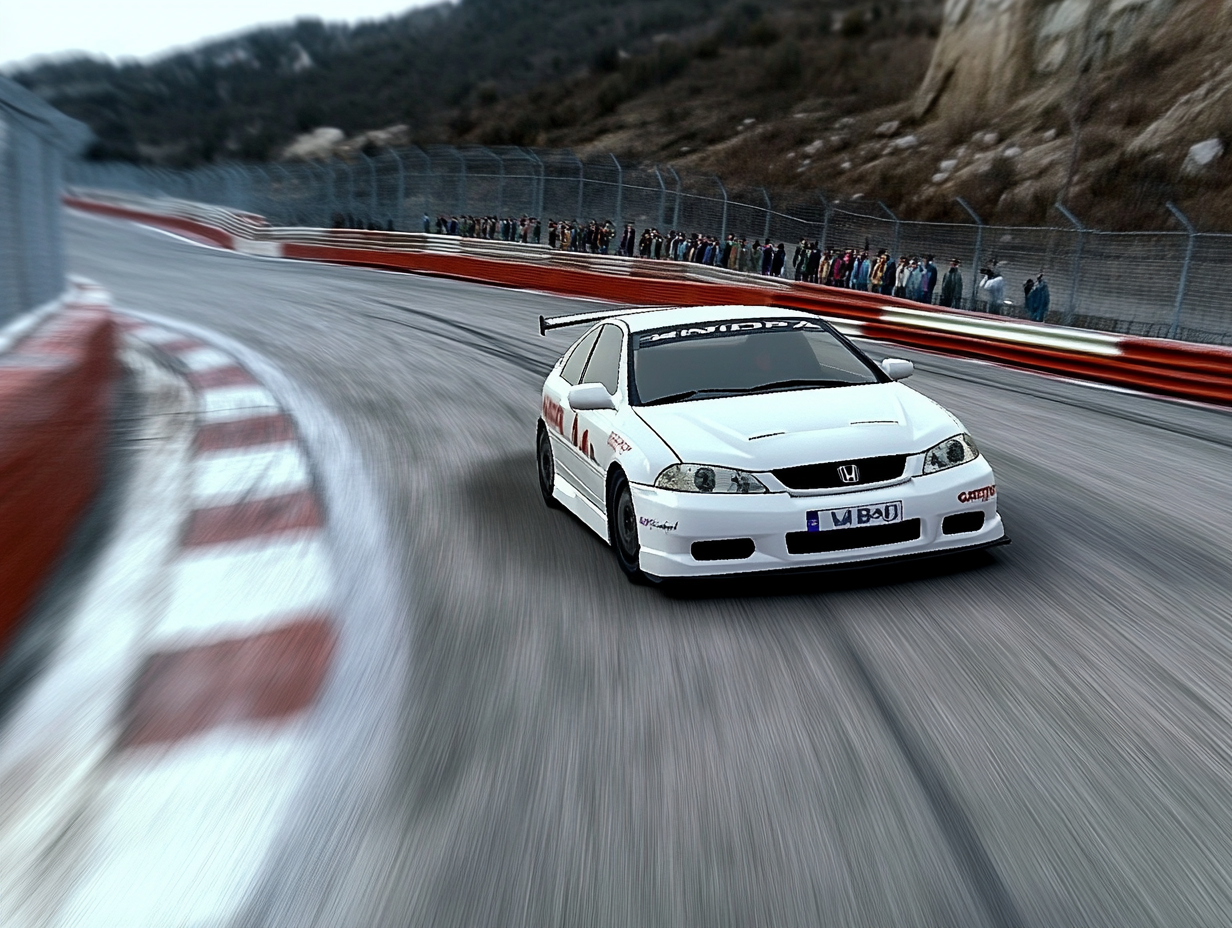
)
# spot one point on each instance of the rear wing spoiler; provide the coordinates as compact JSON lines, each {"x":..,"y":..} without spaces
{"x":560,"y":322}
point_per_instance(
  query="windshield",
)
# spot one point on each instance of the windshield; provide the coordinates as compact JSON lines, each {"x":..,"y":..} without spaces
{"x":743,"y":356}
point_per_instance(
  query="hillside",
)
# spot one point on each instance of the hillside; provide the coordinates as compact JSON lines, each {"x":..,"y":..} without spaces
{"x":245,"y":96}
{"x":1007,"y":104}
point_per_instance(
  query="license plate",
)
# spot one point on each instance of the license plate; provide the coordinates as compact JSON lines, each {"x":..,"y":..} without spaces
{"x":827,"y":520}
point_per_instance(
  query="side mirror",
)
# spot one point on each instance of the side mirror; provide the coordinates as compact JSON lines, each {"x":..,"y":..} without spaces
{"x":897,"y":368}
{"x":590,"y":396}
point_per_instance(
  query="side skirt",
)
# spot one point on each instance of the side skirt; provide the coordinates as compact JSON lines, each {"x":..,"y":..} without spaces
{"x":584,"y":509}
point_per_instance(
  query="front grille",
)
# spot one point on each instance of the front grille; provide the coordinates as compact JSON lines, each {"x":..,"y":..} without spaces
{"x":828,"y":476}
{"x":728,"y":549}
{"x":846,"y":538}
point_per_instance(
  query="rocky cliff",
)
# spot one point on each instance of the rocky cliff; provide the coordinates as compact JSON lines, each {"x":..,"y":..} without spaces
{"x":997,"y":55}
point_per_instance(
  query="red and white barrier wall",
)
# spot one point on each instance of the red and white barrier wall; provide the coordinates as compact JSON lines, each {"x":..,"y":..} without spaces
{"x":56,"y":395}
{"x":1172,"y":368}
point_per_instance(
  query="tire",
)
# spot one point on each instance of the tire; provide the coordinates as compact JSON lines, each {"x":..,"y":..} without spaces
{"x":546,"y":465}
{"x":622,"y":528}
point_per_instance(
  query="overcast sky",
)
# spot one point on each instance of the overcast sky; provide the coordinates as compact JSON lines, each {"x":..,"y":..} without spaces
{"x":140,"y":28}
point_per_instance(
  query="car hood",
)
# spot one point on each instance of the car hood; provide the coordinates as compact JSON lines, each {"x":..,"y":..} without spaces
{"x":771,"y":430}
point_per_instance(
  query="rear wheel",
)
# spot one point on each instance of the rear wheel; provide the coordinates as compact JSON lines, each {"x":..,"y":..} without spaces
{"x":546,"y":467}
{"x":622,"y":528}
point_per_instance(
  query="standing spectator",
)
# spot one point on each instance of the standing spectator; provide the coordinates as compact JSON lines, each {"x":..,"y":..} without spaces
{"x":812,"y":266}
{"x":798,"y":259}
{"x":778,"y":261}
{"x":994,"y":285}
{"x":952,"y":286}
{"x":900,"y":277}
{"x":767,"y":258}
{"x":915,"y":280}
{"x":860,"y":275}
{"x":1038,"y":299}
{"x":929,"y":283}
{"x":840,"y":269}
{"x":427,"y":223}
{"x":889,"y":281}
{"x":538,"y":233}
{"x":877,"y":273}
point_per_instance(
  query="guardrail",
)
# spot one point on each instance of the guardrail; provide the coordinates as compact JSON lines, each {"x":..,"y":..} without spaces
{"x":1172,"y":368}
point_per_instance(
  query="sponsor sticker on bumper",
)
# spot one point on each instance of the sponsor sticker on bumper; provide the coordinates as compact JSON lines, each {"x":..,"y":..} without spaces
{"x":827,"y":520}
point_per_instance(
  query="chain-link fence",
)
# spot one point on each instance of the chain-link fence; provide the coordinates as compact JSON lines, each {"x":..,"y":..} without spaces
{"x":1167,"y":284}
{"x":33,"y":141}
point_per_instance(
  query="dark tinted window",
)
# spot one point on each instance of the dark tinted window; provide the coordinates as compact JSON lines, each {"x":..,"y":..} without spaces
{"x":572,"y":371}
{"x":604,"y":366}
{"x":748,"y":356}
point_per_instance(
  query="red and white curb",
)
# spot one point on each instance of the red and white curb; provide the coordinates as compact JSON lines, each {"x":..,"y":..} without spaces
{"x":241,"y":648}
{"x":210,"y":736}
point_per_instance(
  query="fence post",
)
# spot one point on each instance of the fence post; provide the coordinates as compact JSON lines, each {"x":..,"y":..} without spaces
{"x":662,"y":195}
{"x":581,"y":187}
{"x":979,"y":241}
{"x":500,"y":187}
{"x":426,"y":184}
{"x":374,"y":200}
{"x":1189,"y":250}
{"x":536,"y":197}
{"x":289,"y":213}
{"x":461,"y":183}
{"x":825,"y":221}
{"x":1068,"y":318}
{"x":399,"y":216}
{"x":244,"y":198}
{"x":723,"y":228}
{"x":769,"y":207}
{"x":890,"y":213}
{"x":676,"y":207}
{"x":351,"y":206}
{"x":331,"y":193}
{"x":618,"y":221}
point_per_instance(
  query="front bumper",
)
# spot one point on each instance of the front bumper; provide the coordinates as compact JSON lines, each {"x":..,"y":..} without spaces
{"x":671,"y":523}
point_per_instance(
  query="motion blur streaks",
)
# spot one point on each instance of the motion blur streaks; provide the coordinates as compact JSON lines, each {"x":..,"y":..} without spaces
{"x":1036,"y":736}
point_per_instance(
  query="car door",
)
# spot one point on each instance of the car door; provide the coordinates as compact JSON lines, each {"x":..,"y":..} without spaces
{"x":590,"y":429}
{"x":557,"y":414}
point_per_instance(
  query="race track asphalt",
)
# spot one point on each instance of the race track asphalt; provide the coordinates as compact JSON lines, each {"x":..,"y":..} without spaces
{"x":1036,"y":736}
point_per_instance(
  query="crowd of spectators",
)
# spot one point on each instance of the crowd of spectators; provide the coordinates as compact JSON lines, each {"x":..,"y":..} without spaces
{"x":528,"y":229}
{"x":910,"y":277}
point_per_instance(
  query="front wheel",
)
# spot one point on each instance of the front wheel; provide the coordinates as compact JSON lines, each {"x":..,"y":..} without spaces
{"x":547,"y":468}
{"x":622,"y":529}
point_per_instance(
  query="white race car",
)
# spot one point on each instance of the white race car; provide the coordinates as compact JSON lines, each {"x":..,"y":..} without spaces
{"x":721,"y":440}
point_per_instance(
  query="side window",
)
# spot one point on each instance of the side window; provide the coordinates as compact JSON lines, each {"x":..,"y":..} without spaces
{"x":604,"y":366}
{"x":572,"y":371}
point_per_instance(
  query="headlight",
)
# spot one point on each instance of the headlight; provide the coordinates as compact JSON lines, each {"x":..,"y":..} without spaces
{"x":950,"y":453}
{"x":703,"y":478}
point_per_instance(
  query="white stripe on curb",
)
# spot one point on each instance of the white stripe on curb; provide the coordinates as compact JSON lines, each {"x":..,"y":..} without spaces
{"x":228,"y":404}
{"x":156,"y":336}
{"x":205,"y":359}
{"x":244,"y":589}
{"x":181,"y":836}
{"x":225,"y":477}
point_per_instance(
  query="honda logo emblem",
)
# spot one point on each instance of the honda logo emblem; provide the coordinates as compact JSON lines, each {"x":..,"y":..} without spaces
{"x":849,"y":473}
